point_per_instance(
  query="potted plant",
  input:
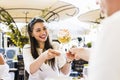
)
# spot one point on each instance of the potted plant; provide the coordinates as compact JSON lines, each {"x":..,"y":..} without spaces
{"x":15,"y":35}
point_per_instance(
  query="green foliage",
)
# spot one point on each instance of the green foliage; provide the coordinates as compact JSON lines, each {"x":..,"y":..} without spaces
{"x":18,"y":39}
{"x":15,"y":35}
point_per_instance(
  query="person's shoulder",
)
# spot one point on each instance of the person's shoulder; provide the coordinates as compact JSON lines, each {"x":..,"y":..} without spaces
{"x":26,"y":46}
{"x":26,"y":49}
{"x":113,"y":19}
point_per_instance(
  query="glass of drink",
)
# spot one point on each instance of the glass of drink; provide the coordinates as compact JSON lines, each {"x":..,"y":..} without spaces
{"x":64,"y":37}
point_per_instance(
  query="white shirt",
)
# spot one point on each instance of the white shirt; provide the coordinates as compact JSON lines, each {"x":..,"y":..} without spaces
{"x":47,"y":71}
{"x":4,"y":72}
{"x":104,"y":63}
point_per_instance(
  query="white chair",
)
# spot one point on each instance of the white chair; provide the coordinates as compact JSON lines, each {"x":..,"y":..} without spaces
{"x":11,"y":52}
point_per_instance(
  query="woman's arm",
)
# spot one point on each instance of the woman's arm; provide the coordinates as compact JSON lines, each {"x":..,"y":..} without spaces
{"x":49,"y":54}
{"x":75,"y":53}
{"x":31,"y":64}
{"x":35,"y":65}
{"x":66,"y":68}
{"x":64,"y":64}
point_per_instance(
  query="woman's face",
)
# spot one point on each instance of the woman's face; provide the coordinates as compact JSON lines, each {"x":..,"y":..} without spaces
{"x":40,"y":32}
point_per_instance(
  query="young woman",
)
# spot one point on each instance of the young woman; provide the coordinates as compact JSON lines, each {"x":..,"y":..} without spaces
{"x":40,"y":58}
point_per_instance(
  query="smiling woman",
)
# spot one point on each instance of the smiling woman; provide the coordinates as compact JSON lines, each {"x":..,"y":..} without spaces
{"x":41,"y":58}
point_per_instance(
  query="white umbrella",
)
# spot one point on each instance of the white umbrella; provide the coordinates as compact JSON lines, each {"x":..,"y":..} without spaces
{"x":23,"y":10}
{"x":93,"y":16}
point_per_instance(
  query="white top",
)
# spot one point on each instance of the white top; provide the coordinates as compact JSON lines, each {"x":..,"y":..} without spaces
{"x":4,"y":72}
{"x":104,"y":63}
{"x":47,"y":71}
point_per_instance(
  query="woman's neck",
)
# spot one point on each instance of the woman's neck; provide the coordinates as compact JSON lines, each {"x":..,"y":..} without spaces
{"x":41,"y":44}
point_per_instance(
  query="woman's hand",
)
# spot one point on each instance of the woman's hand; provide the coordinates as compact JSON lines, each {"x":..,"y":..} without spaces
{"x":50,"y":53}
{"x":70,"y":56}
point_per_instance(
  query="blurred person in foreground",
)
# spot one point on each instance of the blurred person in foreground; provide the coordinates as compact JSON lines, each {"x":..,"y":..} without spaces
{"x":104,"y":60}
{"x":41,"y":58}
{"x":4,"y":69}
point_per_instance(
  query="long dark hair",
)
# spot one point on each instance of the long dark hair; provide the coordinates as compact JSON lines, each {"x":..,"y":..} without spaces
{"x":34,"y":44}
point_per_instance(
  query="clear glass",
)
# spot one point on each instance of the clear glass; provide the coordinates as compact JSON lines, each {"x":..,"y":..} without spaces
{"x":64,"y":38}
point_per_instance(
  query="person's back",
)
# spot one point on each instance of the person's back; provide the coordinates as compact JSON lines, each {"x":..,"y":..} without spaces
{"x":104,"y":63}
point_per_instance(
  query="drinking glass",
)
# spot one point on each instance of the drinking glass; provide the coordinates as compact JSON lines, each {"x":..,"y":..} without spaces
{"x":64,"y":37}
